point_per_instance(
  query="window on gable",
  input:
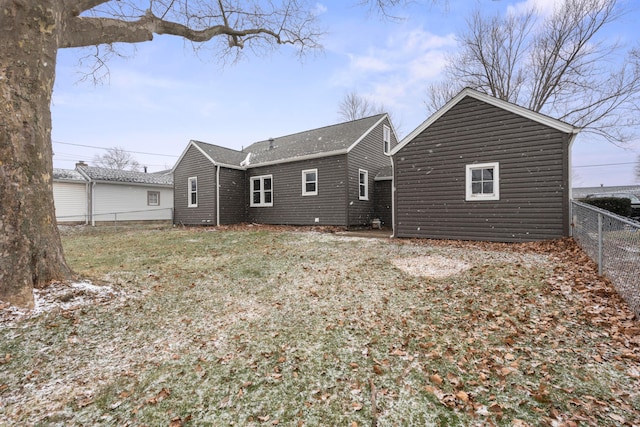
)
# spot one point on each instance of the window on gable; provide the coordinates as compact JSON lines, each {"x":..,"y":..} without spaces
{"x":261,"y":191}
{"x":193,"y":192}
{"x":483,"y":181}
{"x":153,"y":198}
{"x":386,"y":138}
{"x":310,"y":182}
{"x":363,"y":184}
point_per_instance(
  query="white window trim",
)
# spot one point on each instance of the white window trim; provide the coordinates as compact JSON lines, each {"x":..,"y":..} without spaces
{"x":156,"y":193}
{"x":366,"y":184}
{"x":469,"y":196}
{"x":262,"y":203}
{"x":189,"y":192}
{"x":386,"y":139}
{"x":304,"y":182}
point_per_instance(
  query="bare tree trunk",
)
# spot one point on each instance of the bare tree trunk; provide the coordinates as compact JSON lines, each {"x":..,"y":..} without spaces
{"x":30,"y":247}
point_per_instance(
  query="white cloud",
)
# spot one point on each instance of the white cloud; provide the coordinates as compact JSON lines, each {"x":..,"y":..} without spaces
{"x":542,"y":7}
{"x":397,"y":72}
{"x":320,"y":9}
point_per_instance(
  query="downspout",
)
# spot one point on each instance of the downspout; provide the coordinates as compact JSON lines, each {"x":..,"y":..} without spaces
{"x":393,"y":197}
{"x":92,"y":202}
{"x":572,"y":138}
{"x":347,"y":186}
{"x":87,"y":207}
{"x":217,"y":195}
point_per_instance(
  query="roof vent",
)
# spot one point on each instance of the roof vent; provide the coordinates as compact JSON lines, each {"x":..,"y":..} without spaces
{"x":81,"y":164}
{"x":270,"y":143}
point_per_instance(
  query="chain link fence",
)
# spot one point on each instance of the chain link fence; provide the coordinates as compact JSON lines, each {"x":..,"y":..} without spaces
{"x":119,"y":218}
{"x":614,"y":243}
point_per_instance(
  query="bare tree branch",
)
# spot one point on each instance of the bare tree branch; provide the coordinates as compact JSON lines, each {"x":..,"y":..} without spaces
{"x":117,"y":158}
{"x":561,"y":66}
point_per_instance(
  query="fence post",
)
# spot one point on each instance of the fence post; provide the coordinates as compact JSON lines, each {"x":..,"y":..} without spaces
{"x":600,"y":244}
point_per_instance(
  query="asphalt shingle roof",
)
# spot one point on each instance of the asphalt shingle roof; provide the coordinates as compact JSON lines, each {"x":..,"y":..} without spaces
{"x":115,"y":175}
{"x":222,"y":155}
{"x":68,"y":175}
{"x":316,"y":141}
{"x":328,"y":139}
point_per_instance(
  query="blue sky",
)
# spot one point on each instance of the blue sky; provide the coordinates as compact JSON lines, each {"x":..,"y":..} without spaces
{"x":163,"y":95}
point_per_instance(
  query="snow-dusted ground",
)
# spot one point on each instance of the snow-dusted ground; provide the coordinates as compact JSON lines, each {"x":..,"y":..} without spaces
{"x":60,"y":296}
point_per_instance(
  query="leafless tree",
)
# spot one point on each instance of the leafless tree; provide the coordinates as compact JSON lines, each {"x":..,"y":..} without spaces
{"x":117,"y":158}
{"x":354,"y":107}
{"x":561,"y":65}
{"x":31,"y":33}
{"x":637,"y":169}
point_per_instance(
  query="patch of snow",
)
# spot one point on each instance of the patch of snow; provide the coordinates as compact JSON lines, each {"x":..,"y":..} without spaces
{"x":434,"y":266}
{"x":60,"y":296}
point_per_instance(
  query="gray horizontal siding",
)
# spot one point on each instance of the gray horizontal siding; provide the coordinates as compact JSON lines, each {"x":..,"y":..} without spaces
{"x":290,"y":207}
{"x":194,"y":163}
{"x":382,"y":203}
{"x":368,"y":155}
{"x":430,"y":178}
{"x":233,"y":196}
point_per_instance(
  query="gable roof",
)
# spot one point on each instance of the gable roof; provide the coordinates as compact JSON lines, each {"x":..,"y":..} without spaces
{"x":321,"y":142}
{"x":508,"y":106}
{"x":329,"y":140}
{"x":68,"y":175}
{"x":131,"y":177}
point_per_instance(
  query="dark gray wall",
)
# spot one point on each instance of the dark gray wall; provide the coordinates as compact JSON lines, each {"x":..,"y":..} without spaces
{"x":382,"y":204}
{"x":233,"y":196}
{"x":368,"y":155}
{"x":289,"y":206}
{"x":430,"y":178}
{"x":194,"y":163}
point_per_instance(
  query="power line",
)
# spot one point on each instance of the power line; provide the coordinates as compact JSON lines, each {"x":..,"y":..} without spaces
{"x":103,"y":148}
{"x":605,"y":164}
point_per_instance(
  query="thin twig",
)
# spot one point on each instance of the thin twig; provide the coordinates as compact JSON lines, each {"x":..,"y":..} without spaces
{"x":374,"y":409}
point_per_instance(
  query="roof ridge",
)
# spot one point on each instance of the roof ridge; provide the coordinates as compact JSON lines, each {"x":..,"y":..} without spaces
{"x":318,"y":129}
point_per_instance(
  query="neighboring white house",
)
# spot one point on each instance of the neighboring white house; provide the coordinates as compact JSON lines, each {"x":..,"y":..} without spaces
{"x":112,"y":195}
{"x":71,"y":196}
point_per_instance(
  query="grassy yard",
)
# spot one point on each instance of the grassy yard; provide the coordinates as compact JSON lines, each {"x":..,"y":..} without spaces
{"x":267,"y":326}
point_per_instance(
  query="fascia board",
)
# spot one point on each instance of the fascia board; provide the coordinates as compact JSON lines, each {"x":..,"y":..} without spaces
{"x":137,"y":184}
{"x":516,"y":109}
{"x":184,"y":152}
{"x":367,"y":132}
{"x":522,"y":111}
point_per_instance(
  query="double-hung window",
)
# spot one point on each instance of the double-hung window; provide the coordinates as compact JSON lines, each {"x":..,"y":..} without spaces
{"x":310,"y":182}
{"x":153,"y":198}
{"x":386,"y":138}
{"x":363,"y":184}
{"x":192,"y":193}
{"x":262,"y":191}
{"x":483,"y":181}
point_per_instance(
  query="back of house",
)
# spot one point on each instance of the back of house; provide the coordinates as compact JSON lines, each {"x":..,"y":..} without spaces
{"x":483,"y":169}
{"x":323,"y":176}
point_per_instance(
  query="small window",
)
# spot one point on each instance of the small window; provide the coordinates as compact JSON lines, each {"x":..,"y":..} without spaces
{"x":153,"y":198}
{"x":482,"y":182}
{"x":363,"y":185}
{"x":386,"y":138}
{"x":310,"y":182}
{"x":262,"y":191}
{"x":193,"y":192}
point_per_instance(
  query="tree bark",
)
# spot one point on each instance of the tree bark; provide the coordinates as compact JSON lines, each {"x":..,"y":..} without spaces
{"x":31,"y":252}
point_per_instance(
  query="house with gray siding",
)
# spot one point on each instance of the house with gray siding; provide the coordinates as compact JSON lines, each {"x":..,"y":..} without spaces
{"x":322,"y":176}
{"x":483,"y":169}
